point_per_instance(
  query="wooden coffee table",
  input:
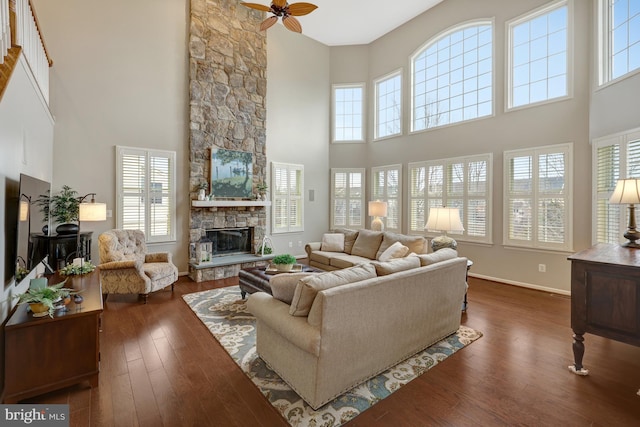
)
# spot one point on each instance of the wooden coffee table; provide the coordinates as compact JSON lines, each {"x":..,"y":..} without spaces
{"x":255,"y":279}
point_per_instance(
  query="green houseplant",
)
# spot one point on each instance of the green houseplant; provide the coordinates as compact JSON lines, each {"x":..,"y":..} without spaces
{"x":43,"y":300}
{"x":62,"y":207}
{"x":284,"y":262}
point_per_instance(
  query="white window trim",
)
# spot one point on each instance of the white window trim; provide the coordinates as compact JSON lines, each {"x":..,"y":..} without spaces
{"x":567,"y":246}
{"x":464,"y":237}
{"x":362,"y":199}
{"x":459,"y":26}
{"x":289,"y":197}
{"x":376,"y":118}
{"x":509,"y":49}
{"x":621,"y":139}
{"x":121,"y":150}
{"x":361,"y":85}
{"x":604,"y":48}
{"x":385,"y":197}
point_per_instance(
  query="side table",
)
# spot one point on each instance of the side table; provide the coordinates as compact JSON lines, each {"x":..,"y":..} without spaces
{"x":465,"y":303}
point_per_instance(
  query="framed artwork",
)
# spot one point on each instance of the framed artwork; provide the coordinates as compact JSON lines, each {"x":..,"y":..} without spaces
{"x":231,"y":174}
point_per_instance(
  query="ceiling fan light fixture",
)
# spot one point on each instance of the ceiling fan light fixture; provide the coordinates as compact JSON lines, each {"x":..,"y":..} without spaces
{"x":280,"y":8}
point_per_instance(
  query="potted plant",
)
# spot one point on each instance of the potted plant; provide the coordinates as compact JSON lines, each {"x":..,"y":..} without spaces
{"x":62,"y":208}
{"x":262,"y":189}
{"x":284,"y":262}
{"x":43,"y":301}
{"x":202,"y":190}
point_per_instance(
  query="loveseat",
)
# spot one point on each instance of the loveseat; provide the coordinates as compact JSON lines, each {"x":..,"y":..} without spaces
{"x":326,"y":333}
{"x":360,"y":246}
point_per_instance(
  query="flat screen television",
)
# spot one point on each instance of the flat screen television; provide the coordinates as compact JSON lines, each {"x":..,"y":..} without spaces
{"x":31,"y":220}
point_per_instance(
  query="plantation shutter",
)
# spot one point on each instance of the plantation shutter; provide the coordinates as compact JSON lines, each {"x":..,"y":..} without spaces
{"x":347,"y":198}
{"x":146,"y":192}
{"x":387,"y":187}
{"x":417,"y":184}
{"x":288,"y":203}
{"x":477,"y":197}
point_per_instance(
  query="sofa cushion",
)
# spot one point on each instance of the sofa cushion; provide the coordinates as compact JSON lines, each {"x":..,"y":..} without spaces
{"x":322,"y":257}
{"x":346,"y":261}
{"x":437,"y":256}
{"x":308,"y":287}
{"x":332,"y":242}
{"x":397,"y":250}
{"x":396,"y":265}
{"x":349,"y":238}
{"x":367,"y":244}
{"x":414,"y":243}
{"x":283,"y":286}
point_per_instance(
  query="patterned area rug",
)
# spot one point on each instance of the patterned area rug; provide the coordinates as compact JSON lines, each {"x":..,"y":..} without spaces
{"x":224,"y":313}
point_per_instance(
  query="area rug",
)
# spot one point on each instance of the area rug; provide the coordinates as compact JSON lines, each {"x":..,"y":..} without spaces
{"x":225,"y":314}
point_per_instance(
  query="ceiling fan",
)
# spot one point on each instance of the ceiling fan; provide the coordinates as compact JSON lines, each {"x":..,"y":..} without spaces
{"x":280,"y":8}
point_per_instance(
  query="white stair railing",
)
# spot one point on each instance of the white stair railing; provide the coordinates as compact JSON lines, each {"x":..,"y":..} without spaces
{"x":5,"y":30}
{"x":28,"y":36}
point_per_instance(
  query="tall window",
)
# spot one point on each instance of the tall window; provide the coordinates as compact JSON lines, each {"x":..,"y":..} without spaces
{"x":463,"y":183}
{"x":287,"y":194}
{"x":347,"y":198}
{"x":388,"y":105}
{"x":619,"y":34}
{"x":452,"y":77}
{"x":386,"y":186}
{"x":146,"y":192}
{"x":614,"y":157}
{"x":538,"y":202}
{"x":539,"y":56}
{"x":348,"y":113}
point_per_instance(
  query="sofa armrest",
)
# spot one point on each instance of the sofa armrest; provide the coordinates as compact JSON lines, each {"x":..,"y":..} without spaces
{"x":121,"y":265}
{"x":158,"y":257}
{"x":275,"y":315}
{"x":312,"y":246}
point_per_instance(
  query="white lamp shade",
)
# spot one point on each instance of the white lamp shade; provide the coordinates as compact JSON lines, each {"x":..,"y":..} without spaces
{"x":378,"y":208}
{"x":627,"y":192}
{"x":444,"y":219}
{"x":24,"y":210}
{"x":92,"y":211}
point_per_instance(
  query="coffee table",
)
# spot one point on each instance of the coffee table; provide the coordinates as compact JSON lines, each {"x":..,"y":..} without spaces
{"x":254,"y":279}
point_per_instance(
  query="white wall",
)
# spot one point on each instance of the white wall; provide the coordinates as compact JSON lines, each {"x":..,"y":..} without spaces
{"x":298,"y":124}
{"x":26,"y":146}
{"x":614,"y":107}
{"x":119,"y":78}
{"x":553,"y":123}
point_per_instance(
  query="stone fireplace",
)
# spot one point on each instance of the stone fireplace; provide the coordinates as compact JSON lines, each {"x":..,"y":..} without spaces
{"x":227,"y":89}
{"x":230,"y":241}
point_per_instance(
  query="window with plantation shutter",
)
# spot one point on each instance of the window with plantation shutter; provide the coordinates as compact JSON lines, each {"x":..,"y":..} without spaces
{"x":463,"y":183}
{"x":347,"y":198}
{"x":614,"y":157}
{"x":146,"y":192}
{"x":538,"y":202}
{"x":287,"y":197}
{"x":386,"y":186}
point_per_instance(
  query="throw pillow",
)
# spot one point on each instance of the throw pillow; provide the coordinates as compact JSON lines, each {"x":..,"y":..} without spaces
{"x":367,"y":244}
{"x":396,"y":265}
{"x":349,"y":238}
{"x":283,"y":286}
{"x":397,"y":250}
{"x":308,"y":287}
{"x":415,"y":244}
{"x":332,"y":242}
{"x":437,"y":256}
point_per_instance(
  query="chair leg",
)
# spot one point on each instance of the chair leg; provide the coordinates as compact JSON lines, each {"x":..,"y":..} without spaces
{"x":144,"y":297}
{"x":172,"y":286}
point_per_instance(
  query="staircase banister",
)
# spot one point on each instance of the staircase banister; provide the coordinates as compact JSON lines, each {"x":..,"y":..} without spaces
{"x":44,"y":45}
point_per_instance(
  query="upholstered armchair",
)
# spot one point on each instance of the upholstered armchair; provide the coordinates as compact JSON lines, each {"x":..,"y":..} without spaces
{"x":126,"y":267}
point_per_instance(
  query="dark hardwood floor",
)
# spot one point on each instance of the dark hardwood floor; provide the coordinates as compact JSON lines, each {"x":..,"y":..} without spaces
{"x":161,"y":367}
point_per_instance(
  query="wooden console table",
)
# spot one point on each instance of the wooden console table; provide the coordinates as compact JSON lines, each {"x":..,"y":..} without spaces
{"x":59,"y":247}
{"x":605,"y":296}
{"x":44,"y":354}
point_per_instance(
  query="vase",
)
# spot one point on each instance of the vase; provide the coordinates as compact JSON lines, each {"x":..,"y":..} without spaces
{"x":201,"y":194}
{"x":284,"y":267}
{"x":67,"y":228}
{"x":39,"y":309}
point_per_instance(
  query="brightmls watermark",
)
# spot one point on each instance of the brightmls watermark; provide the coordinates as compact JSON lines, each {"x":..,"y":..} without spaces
{"x":34,"y":415}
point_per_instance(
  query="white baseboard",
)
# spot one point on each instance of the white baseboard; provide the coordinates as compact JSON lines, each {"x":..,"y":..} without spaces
{"x":522,"y":285}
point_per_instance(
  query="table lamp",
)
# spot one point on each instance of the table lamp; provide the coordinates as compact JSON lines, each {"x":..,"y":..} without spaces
{"x":91,"y":211}
{"x":627,"y":191}
{"x":377,"y":210}
{"x":445,"y":220}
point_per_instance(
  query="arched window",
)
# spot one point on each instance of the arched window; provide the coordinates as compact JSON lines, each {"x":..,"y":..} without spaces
{"x":452,"y":77}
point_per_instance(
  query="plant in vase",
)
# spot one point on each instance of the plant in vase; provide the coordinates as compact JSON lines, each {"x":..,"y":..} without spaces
{"x":262,"y":190}
{"x":45,"y":300}
{"x":62,"y":207}
{"x":202,"y":190}
{"x":284,"y":262}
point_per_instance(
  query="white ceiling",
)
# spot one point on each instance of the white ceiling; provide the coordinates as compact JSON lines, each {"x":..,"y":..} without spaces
{"x":349,"y":22}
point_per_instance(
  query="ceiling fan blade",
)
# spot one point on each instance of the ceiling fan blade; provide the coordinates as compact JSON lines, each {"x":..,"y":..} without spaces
{"x":292,"y":24}
{"x":257,"y":6}
{"x":268,"y":23}
{"x":279,"y":3}
{"x":299,"y":9}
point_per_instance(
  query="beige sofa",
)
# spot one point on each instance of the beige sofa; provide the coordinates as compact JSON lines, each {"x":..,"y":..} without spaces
{"x":378,"y":314}
{"x":360,"y":246}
